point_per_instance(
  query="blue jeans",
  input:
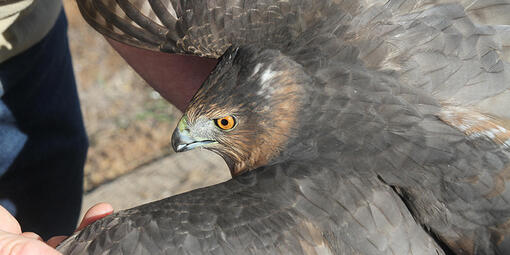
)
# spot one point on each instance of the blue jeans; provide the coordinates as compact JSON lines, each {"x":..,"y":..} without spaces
{"x":43,"y":144}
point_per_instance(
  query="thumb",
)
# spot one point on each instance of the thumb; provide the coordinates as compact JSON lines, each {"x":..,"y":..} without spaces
{"x":13,"y":244}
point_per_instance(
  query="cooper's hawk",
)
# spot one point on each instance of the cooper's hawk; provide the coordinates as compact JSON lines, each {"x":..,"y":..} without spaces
{"x":350,"y":127}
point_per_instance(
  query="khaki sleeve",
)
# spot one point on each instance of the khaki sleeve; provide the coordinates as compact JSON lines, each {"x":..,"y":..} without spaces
{"x":8,"y":14}
{"x":23,"y":23}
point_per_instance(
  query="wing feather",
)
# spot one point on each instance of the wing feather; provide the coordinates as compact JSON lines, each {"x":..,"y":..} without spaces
{"x":109,"y":19}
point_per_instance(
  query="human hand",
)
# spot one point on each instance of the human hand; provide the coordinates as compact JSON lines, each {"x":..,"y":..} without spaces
{"x":14,"y":241}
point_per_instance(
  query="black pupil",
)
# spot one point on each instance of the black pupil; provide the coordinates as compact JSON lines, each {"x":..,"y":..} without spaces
{"x":224,"y":122}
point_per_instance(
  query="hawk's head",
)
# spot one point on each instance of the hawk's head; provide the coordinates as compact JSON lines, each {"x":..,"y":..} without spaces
{"x":247,"y":110}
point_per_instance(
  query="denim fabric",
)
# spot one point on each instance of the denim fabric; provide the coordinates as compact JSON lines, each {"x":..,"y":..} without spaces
{"x":11,"y":138}
{"x":44,"y":183}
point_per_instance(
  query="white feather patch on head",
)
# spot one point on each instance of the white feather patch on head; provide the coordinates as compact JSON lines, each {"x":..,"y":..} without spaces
{"x":476,"y":124}
{"x":256,"y":69}
{"x":267,"y":75}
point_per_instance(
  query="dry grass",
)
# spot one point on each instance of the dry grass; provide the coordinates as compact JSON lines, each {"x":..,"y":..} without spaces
{"x":127,"y":122}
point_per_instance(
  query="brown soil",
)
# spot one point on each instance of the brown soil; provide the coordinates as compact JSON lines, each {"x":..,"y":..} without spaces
{"x":128,"y":123}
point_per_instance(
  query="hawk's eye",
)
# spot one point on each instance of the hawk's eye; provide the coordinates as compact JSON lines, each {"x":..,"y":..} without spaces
{"x":225,"y":123}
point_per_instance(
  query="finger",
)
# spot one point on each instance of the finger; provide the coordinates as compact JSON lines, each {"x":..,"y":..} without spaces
{"x":56,"y":240}
{"x":32,"y":235}
{"x":8,"y":223}
{"x":20,"y":245}
{"x":96,"y":212}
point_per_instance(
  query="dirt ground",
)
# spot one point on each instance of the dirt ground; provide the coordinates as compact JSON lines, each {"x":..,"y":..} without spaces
{"x":128,"y":123}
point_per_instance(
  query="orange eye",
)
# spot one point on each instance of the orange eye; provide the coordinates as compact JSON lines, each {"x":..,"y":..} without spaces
{"x":225,"y":123}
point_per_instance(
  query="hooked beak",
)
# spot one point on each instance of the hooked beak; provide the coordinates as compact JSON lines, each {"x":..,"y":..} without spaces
{"x":182,"y":140}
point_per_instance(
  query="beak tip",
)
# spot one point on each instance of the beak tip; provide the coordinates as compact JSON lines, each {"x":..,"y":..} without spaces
{"x":180,"y":142}
{"x":175,"y":141}
{"x":180,"y":148}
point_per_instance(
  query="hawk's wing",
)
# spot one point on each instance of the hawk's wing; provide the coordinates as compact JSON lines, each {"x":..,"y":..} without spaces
{"x":201,"y":27}
{"x":271,"y":211}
